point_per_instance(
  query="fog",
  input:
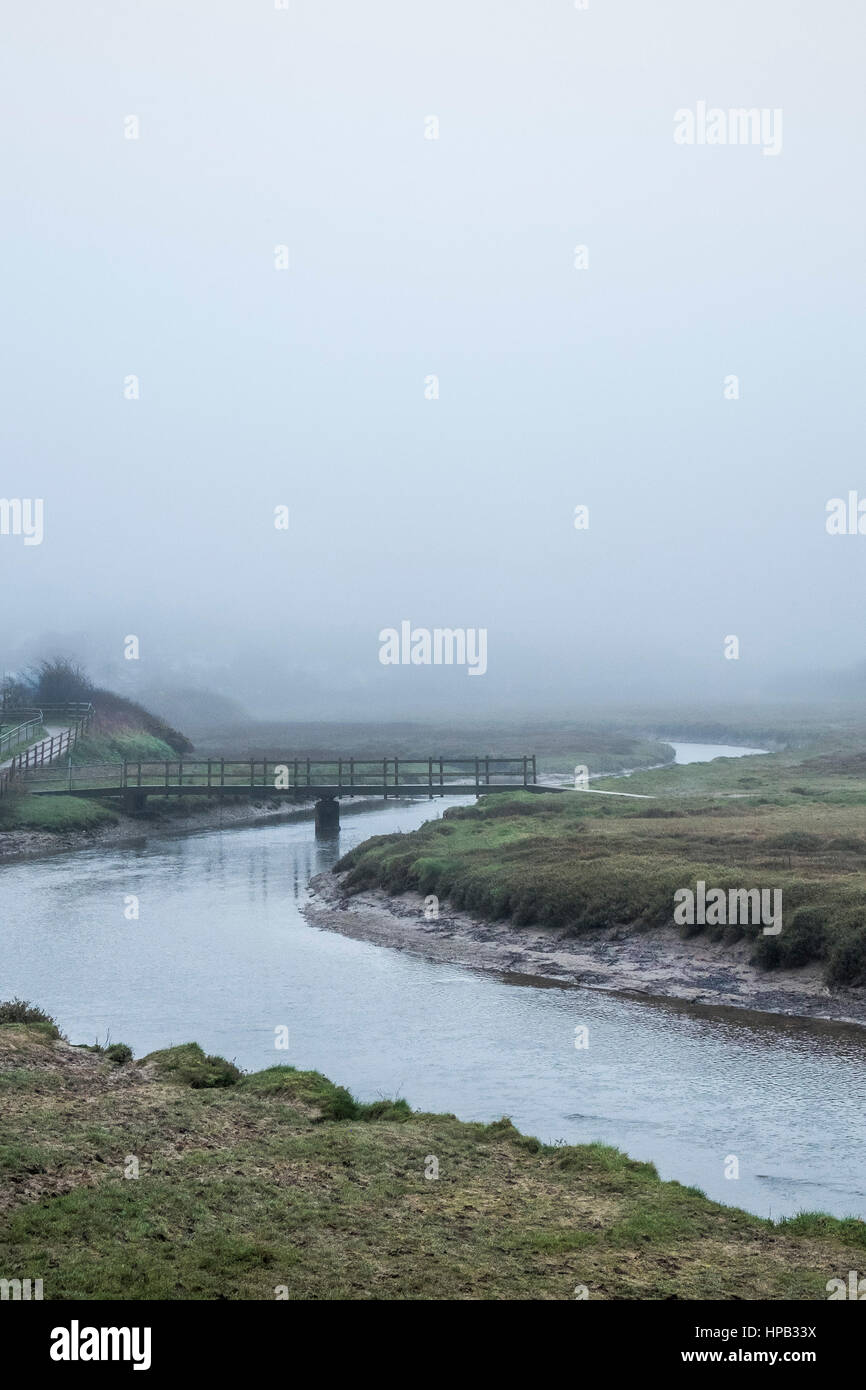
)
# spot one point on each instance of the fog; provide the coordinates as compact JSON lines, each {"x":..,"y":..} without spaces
{"x":606,"y":384}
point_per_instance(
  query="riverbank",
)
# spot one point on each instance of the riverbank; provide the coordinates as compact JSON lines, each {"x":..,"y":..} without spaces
{"x":173,"y":816}
{"x":280,"y":1185}
{"x":583,"y":888}
{"x":621,"y":960}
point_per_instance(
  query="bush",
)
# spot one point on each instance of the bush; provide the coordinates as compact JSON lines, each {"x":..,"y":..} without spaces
{"x":806,"y":939}
{"x":119,"y":1054}
{"x":20,"y":1011}
{"x":847,"y":963}
{"x":767,"y":953}
{"x":803,"y":940}
{"x":796,"y":842}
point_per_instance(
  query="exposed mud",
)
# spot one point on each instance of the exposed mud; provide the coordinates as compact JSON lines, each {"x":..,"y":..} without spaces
{"x":214,"y":815}
{"x":654,"y":963}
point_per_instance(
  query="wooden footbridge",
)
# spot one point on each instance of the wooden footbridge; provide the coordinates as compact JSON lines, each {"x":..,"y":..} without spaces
{"x":302,"y":779}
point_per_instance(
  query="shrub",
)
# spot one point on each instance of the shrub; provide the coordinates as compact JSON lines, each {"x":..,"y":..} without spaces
{"x":847,"y":962}
{"x":119,"y":1054}
{"x":20,"y":1011}
{"x":796,"y":842}
{"x":806,"y":938}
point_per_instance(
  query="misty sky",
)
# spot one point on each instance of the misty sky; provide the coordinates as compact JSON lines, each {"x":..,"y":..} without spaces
{"x":409,"y":257}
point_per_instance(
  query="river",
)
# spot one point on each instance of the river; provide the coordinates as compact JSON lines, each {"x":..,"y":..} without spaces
{"x":220,"y":953}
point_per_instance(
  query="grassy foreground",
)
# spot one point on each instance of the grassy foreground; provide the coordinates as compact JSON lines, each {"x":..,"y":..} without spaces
{"x":793,"y":821}
{"x":279,"y":1184}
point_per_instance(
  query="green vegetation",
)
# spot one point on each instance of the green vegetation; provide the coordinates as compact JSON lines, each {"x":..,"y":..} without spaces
{"x":20,"y":1011}
{"x":281,"y":1181}
{"x":53,"y":813}
{"x":188,"y":1066}
{"x":794,"y":821}
{"x":121,"y":745}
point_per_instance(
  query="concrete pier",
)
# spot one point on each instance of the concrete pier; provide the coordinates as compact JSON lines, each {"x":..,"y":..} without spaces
{"x":327,"y":816}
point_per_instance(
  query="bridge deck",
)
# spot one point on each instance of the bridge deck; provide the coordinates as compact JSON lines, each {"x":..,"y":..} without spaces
{"x":339,"y":777}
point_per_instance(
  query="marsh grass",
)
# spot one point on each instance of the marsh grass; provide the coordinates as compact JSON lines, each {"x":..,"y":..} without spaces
{"x":581,"y":862}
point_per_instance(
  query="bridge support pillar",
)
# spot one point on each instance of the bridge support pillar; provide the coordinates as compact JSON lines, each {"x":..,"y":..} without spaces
{"x":134,"y":803}
{"x":327,"y":816}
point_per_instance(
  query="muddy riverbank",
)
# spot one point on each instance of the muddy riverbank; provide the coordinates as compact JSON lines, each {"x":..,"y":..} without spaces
{"x":656,"y":963}
{"x":17,"y":844}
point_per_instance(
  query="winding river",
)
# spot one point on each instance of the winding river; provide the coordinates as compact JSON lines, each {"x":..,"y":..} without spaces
{"x":221,"y":953}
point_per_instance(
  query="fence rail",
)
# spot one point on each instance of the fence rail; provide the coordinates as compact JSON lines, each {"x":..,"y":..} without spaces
{"x":78,"y":716}
{"x":19,"y":733}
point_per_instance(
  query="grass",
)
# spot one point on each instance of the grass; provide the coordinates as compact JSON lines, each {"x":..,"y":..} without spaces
{"x":53,"y":813}
{"x":281,"y":1184}
{"x":121,"y":745}
{"x":794,"y":820}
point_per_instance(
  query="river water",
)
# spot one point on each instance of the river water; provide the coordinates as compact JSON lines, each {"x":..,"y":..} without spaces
{"x":221,"y":954}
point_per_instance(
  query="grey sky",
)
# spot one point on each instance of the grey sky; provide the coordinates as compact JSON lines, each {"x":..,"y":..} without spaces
{"x":409,"y":257}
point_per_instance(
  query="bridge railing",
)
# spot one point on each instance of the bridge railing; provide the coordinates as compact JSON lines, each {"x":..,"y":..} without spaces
{"x":342,"y":776}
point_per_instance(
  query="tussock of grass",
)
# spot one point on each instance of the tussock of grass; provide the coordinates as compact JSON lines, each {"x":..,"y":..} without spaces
{"x":311,"y":1089}
{"x":187,"y":1065}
